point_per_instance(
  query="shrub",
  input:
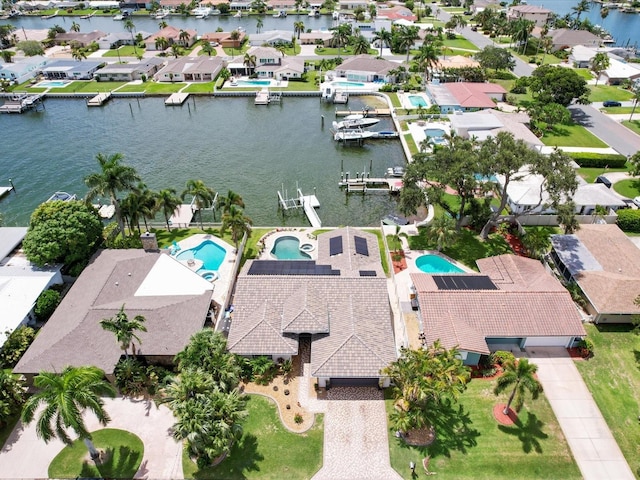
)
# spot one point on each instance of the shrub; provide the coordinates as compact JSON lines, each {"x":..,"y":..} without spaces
{"x":298,"y":418}
{"x":594,"y":160}
{"x":629,"y":220}
{"x":46,"y":304}
{"x":586,"y":347}
{"x":16,"y":344}
{"x":503,"y":75}
{"x":501,"y":357}
{"x":488,"y":372}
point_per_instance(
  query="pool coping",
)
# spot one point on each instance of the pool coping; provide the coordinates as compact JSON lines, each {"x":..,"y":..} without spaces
{"x":406,"y":103}
{"x":304,"y":235}
{"x":413,"y":268}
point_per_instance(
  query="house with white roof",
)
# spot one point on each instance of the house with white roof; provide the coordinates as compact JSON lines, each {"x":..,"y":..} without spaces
{"x":488,"y":123}
{"x":21,"y":283}
{"x":127,"y":72}
{"x":190,"y":69}
{"x":618,"y":71}
{"x":71,"y":70}
{"x":366,"y":68}
{"x":24,"y":69}
{"x":118,"y":39}
{"x":272,"y":37}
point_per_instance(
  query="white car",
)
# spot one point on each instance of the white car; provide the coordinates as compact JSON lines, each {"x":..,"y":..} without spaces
{"x":636,"y":202}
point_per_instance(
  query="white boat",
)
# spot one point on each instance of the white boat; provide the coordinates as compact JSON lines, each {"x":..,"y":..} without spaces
{"x":335,"y":15}
{"x":355,"y":121}
{"x":201,"y":12}
{"x":238,"y":14}
{"x":63,"y":196}
{"x":314,"y":13}
{"x":162,"y":14}
{"x":395,"y":171}
{"x":352,"y":135}
{"x":119,"y":17}
{"x":215,"y":11}
{"x":280,"y":14}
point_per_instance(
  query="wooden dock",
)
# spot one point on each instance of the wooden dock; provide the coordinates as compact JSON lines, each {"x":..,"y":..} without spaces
{"x":22,"y":102}
{"x":308,"y":203}
{"x":372,"y":112}
{"x":99,"y":99}
{"x":176,"y":99}
{"x":340,"y":97}
{"x":5,"y":190}
{"x":262,"y":97}
{"x":363,"y":184}
{"x":182,"y":216}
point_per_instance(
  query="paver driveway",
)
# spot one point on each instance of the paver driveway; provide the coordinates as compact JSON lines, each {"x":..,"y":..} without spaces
{"x":26,"y":456}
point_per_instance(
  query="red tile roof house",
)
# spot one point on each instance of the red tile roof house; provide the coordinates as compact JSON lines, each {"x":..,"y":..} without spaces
{"x":336,"y":306}
{"x":172,"y":34}
{"x":513,"y":303}
{"x":173,"y":299}
{"x":606,"y":266}
{"x":224,"y":39}
{"x":77,"y":38}
{"x":465,"y":96}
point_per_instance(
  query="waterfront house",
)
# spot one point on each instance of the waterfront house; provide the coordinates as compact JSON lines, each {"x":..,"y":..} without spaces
{"x":173,"y":299}
{"x":118,"y":39}
{"x":23,"y":69}
{"x":352,"y":4}
{"x":240,"y":5}
{"x":21,"y":282}
{"x":281,"y":5}
{"x":366,"y":68}
{"x":465,"y":96}
{"x":224,"y":39}
{"x":336,"y":306}
{"x":533,"y":13}
{"x":71,"y":70}
{"x":618,"y":71}
{"x":170,"y":4}
{"x":272,"y":37}
{"x":487,"y":123}
{"x":316,"y":37}
{"x":172,"y":35}
{"x":289,"y":68}
{"x":563,"y":38}
{"x":481,"y":5}
{"x":396,"y":13}
{"x":513,"y":303}
{"x":77,"y":38}
{"x":190,"y":69}
{"x":29,"y":6}
{"x":605,"y":264}
{"x":127,"y":72}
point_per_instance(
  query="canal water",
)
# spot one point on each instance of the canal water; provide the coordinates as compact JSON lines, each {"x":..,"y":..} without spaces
{"x":229,"y":143}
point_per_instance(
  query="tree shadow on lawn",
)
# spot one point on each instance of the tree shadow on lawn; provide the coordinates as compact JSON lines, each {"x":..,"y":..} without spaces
{"x":244,"y":457}
{"x":529,"y":433}
{"x":124,"y":464}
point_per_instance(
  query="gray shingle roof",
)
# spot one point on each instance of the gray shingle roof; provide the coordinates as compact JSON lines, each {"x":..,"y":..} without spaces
{"x":73,"y":335}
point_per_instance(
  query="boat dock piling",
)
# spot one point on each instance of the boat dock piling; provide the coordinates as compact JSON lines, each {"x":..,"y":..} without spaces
{"x":371,"y":112}
{"x":22,"y":102}
{"x":308,"y":203}
{"x":363,"y":183}
{"x":99,"y":100}
{"x":176,"y":99}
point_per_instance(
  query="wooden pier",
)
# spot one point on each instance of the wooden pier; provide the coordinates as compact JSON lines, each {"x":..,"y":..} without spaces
{"x":182,"y":216}
{"x":22,"y":102}
{"x":308,"y":203}
{"x":176,"y":99}
{"x":372,"y":112}
{"x":340,"y":97}
{"x":363,"y":184}
{"x":262,"y":97}
{"x":99,"y":99}
{"x":5,"y":190}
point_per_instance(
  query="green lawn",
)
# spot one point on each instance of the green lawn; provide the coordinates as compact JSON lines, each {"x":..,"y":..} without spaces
{"x":267,"y":450}
{"x":571,"y":136}
{"x":590,"y":174}
{"x":584,"y":73}
{"x":460,"y":43}
{"x":619,"y":110}
{"x":413,"y":148}
{"x":124,"y":452}
{"x":468,"y":249}
{"x":154,"y":87}
{"x":470,"y":444}
{"x":548,"y":59}
{"x":82,"y":86}
{"x":124,"y":51}
{"x":613,"y":377}
{"x":600,"y":93}
{"x":633,"y":125}
{"x":395,"y":101}
{"x":629,"y":188}
{"x":333,"y":52}
{"x":206,"y":87}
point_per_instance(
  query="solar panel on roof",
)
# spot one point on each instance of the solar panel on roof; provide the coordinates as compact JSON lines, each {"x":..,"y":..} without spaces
{"x":335,"y":246}
{"x":290,"y":267}
{"x":464,"y":282}
{"x":361,"y":245}
{"x":367,"y":273}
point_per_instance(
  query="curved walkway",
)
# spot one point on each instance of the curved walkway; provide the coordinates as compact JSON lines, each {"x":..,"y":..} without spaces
{"x":592,"y":444}
{"x":24,"y":455}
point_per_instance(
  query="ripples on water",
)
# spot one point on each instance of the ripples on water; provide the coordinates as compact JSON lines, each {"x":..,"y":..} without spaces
{"x":228,"y":143}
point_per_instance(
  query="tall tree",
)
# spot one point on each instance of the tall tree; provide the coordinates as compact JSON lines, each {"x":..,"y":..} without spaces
{"x":298,"y":28}
{"x":599,"y":64}
{"x":202,"y":195}
{"x":236,"y":221}
{"x":259,"y":25}
{"x":427,"y":58}
{"x":74,"y":27}
{"x":125,"y":329}
{"x":130,"y":27}
{"x":184,"y":37}
{"x":496,"y":58}
{"x":582,"y":7}
{"x":551,"y":84}
{"x":383,"y":37}
{"x":162,"y":43}
{"x":340,"y":35}
{"x":114,"y":177}
{"x":442,"y":232}
{"x":636,"y":97}
{"x":407,"y":36}
{"x":566,"y":213}
{"x":231,"y":198}
{"x":520,"y":375}
{"x":250,"y":61}
{"x":65,"y":397}
{"x":168,"y":202}
{"x":360,"y":44}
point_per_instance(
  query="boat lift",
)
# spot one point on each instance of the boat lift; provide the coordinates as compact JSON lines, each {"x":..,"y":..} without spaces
{"x":308,"y":203}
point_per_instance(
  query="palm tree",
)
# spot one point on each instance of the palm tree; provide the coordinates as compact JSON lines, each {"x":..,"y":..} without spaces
{"x":282,"y":48}
{"x":360,"y":44}
{"x":187,"y":385}
{"x":130,"y":27}
{"x":162,"y":43}
{"x":521,"y":375}
{"x":168,"y":202}
{"x":442,"y":232}
{"x":427,"y":58}
{"x":184,"y":37}
{"x":341,"y":35}
{"x":176,"y":51}
{"x":250,"y":61}
{"x":298,"y":28}
{"x":407,"y":35}
{"x":207,"y":48}
{"x":162,"y":24}
{"x":382,"y":36}
{"x":636,"y":97}
{"x":582,"y":7}
{"x":259,"y":25}
{"x":239,"y":224}
{"x":458,"y":22}
{"x":113,"y":177}
{"x":235,"y":36}
{"x":232,"y":198}
{"x":520,"y":31}
{"x":125,"y":329}
{"x":65,"y":397}
{"x":202,"y":195}
{"x":74,"y":27}
{"x":599,"y":64}
{"x":78,"y":53}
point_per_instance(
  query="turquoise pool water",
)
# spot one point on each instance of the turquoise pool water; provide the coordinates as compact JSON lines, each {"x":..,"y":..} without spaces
{"x":417,"y":101}
{"x":51,"y":83}
{"x":435,"y":264}
{"x":434,"y":132}
{"x":254,"y":83}
{"x":209,"y":253}
{"x":348,"y":84}
{"x":288,"y":248}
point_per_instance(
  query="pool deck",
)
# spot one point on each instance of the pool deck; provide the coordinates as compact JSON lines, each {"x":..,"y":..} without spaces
{"x":417,"y":130}
{"x":304,"y":235}
{"x":273,"y":83}
{"x":222,"y":284}
{"x":406,"y":102}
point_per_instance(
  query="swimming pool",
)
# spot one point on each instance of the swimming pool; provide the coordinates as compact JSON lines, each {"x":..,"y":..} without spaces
{"x":288,"y":248}
{"x":209,"y":253}
{"x":52,"y":84}
{"x":436,"y":264}
{"x":417,"y":101}
{"x":347,"y":84}
{"x":253,"y":83}
{"x":434,"y":132}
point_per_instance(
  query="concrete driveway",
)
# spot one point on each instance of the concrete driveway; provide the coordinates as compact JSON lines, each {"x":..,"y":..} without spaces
{"x":26,"y":456}
{"x":592,"y":444}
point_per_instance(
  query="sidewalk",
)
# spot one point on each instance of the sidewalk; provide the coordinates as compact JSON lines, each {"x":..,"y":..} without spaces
{"x":592,"y":444}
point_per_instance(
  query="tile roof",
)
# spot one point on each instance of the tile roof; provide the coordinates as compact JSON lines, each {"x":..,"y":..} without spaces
{"x":474,"y":95}
{"x":367,"y":63}
{"x":305,"y":311}
{"x":528,"y":302}
{"x":73,"y":335}
{"x":349,"y":261}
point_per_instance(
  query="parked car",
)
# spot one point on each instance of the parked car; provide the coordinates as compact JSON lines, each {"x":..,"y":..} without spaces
{"x":604,"y":180}
{"x":611,"y":103}
{"x":636,"y":201}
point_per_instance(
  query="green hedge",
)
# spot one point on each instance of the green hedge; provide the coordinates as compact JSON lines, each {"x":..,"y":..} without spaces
{"x":629,"y":220}
{"x":595,"y":160}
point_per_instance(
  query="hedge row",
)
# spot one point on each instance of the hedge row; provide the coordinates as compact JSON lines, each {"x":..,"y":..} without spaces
{"x":595,"y":160}
{"x":629,"y":220}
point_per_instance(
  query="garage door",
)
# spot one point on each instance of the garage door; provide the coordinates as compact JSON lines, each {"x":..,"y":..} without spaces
{"x":547,"y":341}
{"x":354,"y":382}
